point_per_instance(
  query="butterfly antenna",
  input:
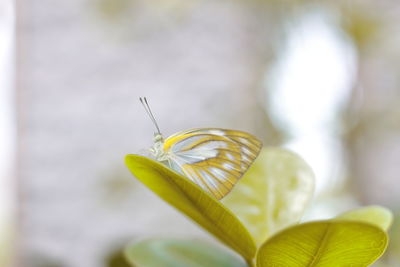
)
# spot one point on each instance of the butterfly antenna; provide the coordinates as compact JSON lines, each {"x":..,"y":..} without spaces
{"x":148,"y":110}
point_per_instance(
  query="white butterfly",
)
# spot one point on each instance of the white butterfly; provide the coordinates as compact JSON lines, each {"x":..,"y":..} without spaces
{"x":213,"y":158}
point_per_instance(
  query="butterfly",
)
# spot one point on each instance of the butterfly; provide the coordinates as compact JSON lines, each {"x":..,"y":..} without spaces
{"x":213,"y":158}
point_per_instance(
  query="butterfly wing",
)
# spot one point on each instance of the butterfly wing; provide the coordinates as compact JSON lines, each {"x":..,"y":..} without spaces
{"x":213,"y":158}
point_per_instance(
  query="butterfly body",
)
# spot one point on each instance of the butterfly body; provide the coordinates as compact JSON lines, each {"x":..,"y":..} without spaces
{"x":213,"y":158}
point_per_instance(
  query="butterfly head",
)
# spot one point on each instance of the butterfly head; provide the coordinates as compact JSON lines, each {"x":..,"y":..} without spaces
{"x":157,"y":151}
{"x":158,"y":138}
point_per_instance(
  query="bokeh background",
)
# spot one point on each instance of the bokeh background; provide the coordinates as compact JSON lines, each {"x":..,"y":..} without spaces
{"x":321,"y":78}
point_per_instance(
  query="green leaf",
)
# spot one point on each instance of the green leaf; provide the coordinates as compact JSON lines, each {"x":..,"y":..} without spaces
{"x":117,"y":259}
{"x":377,"y":215}
{"x":179,"y":253}
{"x":324,"y":244}
{"x":190,"y":199}
{"x":273,"y":193}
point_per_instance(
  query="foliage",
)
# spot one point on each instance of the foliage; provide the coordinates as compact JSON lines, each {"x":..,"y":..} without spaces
{"x":194,"y":202}
{"x":278,"y":187}
{"x":260,"y":217}
{"x":327,"y":243}
{"x":179,"y":253}
{"x":376,"y":215}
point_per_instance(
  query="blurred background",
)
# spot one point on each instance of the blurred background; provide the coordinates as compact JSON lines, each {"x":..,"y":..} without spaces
{"x":321,"y":78}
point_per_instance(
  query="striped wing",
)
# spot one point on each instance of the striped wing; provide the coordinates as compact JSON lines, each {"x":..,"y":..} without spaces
{"x":215,"y":159}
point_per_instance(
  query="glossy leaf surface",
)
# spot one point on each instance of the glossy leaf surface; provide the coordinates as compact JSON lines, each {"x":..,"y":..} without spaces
{"x":190,"y":199}
{"x":324,"y":244}
{"x":273,"y":193}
